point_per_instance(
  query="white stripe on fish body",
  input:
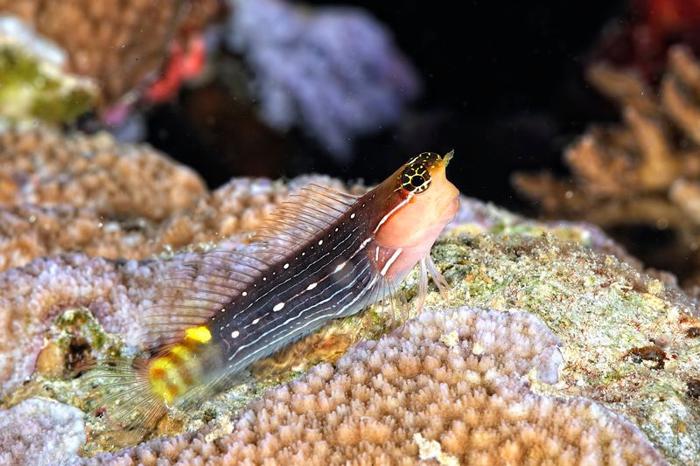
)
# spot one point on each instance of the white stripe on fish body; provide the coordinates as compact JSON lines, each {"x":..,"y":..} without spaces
{"x":390,"y":261}
{"x":295,"y":333}
{"x":290,"y":322}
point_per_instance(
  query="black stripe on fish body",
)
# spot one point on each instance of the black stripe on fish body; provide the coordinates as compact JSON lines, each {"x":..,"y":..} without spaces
{"x":328,"y":278}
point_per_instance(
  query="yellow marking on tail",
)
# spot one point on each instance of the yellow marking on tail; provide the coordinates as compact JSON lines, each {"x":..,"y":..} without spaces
{"x":164,"y":374}
{"x":181,"y":352}
{"x":200,"y":334}
{"x":171,"y":374}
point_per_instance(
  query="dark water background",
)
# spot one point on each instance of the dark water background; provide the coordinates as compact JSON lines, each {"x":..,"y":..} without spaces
{"x":502,"y":86}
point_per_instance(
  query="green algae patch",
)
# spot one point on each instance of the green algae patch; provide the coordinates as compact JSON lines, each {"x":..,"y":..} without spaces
{"x":32,"y":89}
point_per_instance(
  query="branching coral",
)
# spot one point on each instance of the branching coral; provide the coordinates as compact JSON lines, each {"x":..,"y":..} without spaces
{"x":447,"y":386}
{"x":643,"y":172}
{"x":334,"y":71}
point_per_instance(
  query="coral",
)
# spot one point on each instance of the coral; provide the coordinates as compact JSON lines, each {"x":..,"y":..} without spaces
{"x":39,"y":165}
{"x":32,"y":81}
{"x":643,"y":172}
{"x":136,"y":33}
{"x":417,"y":395}
{"x":40,"y":432}
{"x":627,"y":337}
{"x":604,"y":312}
{"x":311,"y":70}
{"x":29,"y":231}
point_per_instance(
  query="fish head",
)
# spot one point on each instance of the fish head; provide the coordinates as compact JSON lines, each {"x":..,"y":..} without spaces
{"x":421,"y":203}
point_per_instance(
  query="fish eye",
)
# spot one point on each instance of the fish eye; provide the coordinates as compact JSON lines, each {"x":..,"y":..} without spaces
{"x":415,"y":178}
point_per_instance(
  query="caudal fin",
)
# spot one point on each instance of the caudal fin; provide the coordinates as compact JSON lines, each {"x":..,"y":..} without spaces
{"x":121,"y":392}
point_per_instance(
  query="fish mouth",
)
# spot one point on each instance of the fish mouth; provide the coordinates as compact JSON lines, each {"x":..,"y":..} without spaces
{"x":441,"y":163}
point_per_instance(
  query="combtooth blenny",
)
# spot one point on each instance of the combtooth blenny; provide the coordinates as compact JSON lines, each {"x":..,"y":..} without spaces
{"x":323,"y":255}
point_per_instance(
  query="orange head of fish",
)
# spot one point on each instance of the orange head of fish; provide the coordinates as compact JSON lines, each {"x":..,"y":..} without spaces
{"x":420,"y":202}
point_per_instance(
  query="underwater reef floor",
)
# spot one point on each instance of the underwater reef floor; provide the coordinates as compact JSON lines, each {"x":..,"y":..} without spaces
{"x":553,"y":344}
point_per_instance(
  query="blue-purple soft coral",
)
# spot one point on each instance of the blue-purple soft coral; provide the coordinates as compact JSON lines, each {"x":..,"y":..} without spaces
{"x":335,"y":71}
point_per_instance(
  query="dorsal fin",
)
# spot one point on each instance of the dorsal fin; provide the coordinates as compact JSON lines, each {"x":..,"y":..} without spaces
{"x":301,"y":217}
{"x":196,"y":286}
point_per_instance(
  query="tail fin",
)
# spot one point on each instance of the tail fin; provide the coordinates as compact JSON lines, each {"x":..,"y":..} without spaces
{"x":121,"y":390}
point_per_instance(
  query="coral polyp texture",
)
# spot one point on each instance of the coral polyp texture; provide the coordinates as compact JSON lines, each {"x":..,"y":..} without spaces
{"x":41,"y":166}
{"x":60,"y":428}
{"x":334,"y":71}
{"x":448,"y":386}
{"x":600,"y":365}
{"x":87,"y":193}
{"x":642,"y":172}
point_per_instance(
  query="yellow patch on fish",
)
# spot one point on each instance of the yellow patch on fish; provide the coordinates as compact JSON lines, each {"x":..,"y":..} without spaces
{"x":200,"y":334}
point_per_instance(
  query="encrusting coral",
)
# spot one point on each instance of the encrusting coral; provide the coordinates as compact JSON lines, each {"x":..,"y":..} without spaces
{"x":41,"y":166}
{"x":40,"y":432}
{"x":604,"y":311}
{"x":629,"y":340}
{"x":28,"y":231}
{"x":447,"y":386}
{"x":644,"y":172}
{"x":88,"y":193}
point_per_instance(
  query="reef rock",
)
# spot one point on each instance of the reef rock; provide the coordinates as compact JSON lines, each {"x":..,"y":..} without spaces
{"x":553,"y":343}
{"x":447,"y":386}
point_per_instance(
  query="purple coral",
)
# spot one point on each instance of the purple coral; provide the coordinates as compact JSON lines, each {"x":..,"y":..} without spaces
{"x":334,"y":71}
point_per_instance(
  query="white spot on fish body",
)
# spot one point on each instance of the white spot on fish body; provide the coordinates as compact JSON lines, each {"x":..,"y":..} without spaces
{"x":256,"y":320}
{"x":352,"y":215}
{"x":312,"y":286}
{"x":320,"y":242}
{"x":235,"y":334}
{"x":245,"y":293}
{"x":340,"y":267}
{"x":278,"y":307}
{"x":286,"y":266}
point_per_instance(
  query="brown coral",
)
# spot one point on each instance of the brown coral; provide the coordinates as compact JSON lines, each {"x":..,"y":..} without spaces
{"x":28,"y":231}
{"x":41,"y":166}
{"x":91,"y":194}
{"x":116,"y":42}
{"x":447,"y":386}
{"x":644,"y":172}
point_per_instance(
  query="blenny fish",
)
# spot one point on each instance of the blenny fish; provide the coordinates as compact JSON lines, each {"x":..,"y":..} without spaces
{"x":323,"y":255}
